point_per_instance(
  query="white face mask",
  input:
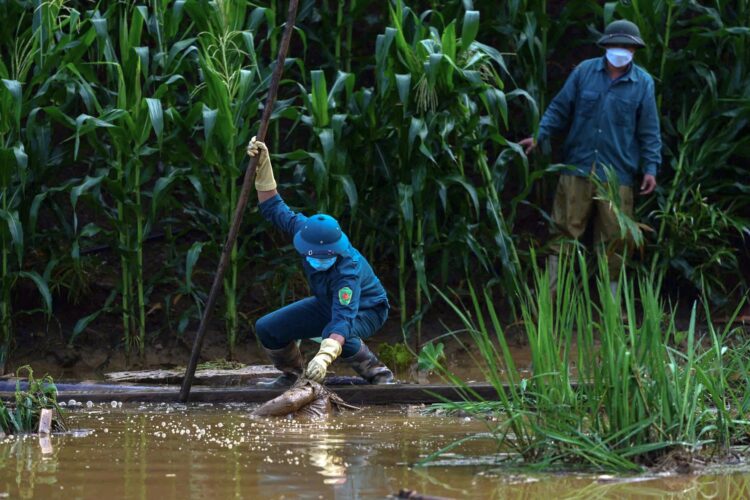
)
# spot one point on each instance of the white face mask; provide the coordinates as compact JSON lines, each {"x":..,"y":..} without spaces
{"x":619,"y":57}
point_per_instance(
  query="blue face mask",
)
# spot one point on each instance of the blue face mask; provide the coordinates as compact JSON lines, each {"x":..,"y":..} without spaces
{"x":321,"y":264}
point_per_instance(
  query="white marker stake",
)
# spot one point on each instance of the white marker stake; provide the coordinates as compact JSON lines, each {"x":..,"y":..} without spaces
{"x":45,"y":421}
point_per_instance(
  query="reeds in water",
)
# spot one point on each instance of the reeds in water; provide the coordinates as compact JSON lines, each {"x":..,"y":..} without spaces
{"x":23,"y":413}
{"x":615,"y":384}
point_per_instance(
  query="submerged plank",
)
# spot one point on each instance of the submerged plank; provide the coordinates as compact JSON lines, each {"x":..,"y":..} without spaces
{"x":354,"y":394}
{"x":9,"y":387}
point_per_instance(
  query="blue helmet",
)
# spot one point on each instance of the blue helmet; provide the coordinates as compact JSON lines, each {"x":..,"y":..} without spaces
{"x":321,"y":236}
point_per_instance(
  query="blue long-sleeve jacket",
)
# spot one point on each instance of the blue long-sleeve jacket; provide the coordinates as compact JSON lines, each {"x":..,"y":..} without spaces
{"x":612,"y":123}
{"x":347,"y":287}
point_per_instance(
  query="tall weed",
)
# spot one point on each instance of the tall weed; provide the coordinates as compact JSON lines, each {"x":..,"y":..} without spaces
{"x":615,"y":384}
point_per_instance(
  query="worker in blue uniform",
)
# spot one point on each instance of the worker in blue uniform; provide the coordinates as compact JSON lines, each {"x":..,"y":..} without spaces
{"x":348,"y":302}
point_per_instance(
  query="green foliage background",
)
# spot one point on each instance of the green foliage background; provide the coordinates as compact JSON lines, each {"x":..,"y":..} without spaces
{"x":123,"y":125}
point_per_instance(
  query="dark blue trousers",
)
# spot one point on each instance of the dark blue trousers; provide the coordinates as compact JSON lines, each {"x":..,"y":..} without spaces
{"x":306,"y":319}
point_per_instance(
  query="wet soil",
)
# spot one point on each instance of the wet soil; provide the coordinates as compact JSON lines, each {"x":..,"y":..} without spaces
{"x":89,"y":360}
{"x":45,"y":345}
{"x":101,"y":351}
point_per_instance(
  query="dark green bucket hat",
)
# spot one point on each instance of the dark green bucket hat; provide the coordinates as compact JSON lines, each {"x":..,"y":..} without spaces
{"x":621,"y":33}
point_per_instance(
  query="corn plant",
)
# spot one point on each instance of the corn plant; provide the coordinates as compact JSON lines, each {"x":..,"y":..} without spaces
{"x":122,"y":132}
{"x":699,"y":213}
{"x":124,"y":121}
{"x":14,"y":178}
{"x":228,"y":97}
{"x":134,"y":125}
{"x":437,"y":101}
{"x":20,"y":141}
{"x":453,"y":111}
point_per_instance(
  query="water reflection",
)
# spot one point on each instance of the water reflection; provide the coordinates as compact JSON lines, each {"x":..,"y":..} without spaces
{"x":218,"y":452}
{"x":45,"y":444}
{"x":324,"y":456}
{"x":25,"y":465}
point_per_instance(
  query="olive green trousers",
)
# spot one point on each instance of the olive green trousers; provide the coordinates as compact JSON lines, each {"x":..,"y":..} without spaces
{"x":575,"y":203}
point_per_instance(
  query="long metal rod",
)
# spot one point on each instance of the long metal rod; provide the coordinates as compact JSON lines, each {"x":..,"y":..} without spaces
{"x":241,"y":203}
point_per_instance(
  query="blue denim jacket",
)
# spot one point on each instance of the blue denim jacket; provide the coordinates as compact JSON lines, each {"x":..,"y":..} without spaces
{"x":609,"y":122}
{"x":345,"y":288}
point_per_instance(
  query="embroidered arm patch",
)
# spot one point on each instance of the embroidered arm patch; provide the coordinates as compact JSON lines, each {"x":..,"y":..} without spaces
{"x":345,"y":296}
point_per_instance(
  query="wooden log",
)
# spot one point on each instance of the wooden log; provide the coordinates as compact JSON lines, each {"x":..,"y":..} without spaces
{"x":286,"y":403}
{"x":45,"y":421}
{"x":213,"y":376}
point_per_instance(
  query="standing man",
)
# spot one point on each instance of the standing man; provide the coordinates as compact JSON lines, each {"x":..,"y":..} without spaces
{"x":348,"y":303}
{"x":608,"y":108}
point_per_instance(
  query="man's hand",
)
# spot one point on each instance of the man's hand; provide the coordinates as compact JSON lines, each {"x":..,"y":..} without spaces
{"x":528,"y":144}
{"x":330,"y":349}
{"x":648,"y":185}
{"x":264,"y":180}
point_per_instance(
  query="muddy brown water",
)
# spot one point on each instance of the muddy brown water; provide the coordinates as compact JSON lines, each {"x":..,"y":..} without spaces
{"x":219,"y":451}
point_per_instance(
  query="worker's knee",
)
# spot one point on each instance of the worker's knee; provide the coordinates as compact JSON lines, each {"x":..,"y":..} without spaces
{"x":351,"y":347}
{"x":267,"y":333}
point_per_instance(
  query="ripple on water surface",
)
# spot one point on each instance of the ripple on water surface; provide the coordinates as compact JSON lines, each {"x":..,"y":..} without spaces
{"x":219,"y":451}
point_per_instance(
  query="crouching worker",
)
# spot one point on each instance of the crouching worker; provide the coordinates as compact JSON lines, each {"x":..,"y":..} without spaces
{"x":348,"y":303}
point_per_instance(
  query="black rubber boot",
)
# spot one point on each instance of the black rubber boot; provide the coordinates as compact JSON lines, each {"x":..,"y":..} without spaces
{"x":287,"y":359}
{"x":369,"y":367}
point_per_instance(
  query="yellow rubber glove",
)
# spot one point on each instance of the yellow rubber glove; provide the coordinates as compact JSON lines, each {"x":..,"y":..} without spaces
{"x":316,"y":368}
{"x":264,"y":180}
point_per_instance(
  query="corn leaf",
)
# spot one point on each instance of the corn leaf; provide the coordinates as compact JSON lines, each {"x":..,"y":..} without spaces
{"x":156,"y":115}
{"x":41,"y":286}
{"x":469,"y":28}
{"x":15,"y":229}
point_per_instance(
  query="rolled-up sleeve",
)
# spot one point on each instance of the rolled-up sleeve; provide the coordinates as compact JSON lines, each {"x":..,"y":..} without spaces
{"x":557,"y":115}
{"x":280,"y":215}
{"x":648,"y":132}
